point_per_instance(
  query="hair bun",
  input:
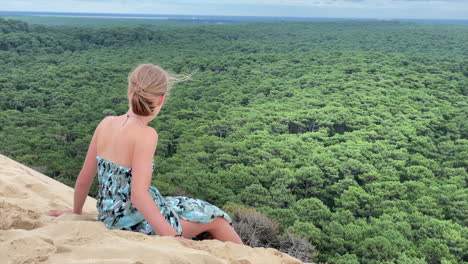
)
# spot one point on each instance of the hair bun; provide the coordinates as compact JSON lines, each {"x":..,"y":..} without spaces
{"x":147,"y":82}
{"x":138,"y":91}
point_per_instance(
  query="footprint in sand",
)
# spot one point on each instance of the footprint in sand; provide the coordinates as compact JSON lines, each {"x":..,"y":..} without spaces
{"x":14,"y":217}
{"x":29,"y":249}
{"x":40,"y":189}
{"x":11,"y":191}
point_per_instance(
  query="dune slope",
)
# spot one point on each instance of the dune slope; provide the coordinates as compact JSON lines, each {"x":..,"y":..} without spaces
{"x":29,"y":235}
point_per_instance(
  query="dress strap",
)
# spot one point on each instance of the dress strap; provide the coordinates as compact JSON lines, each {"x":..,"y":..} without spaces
{"x":126,"y":120}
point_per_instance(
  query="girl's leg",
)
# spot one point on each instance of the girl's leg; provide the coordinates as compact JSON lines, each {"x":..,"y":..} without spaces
{"x":224,"y":232}
{"x":218,"y":228}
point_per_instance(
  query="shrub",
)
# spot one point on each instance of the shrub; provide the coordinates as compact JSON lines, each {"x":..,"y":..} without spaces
{"x":258,"y":230}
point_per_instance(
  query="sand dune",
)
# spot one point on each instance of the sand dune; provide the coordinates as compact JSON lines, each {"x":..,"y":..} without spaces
{"x":29,"y":235}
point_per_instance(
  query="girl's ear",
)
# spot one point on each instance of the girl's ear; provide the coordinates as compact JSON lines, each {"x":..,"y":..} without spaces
{"x":161,"y":99}
{"x":128,"y":94}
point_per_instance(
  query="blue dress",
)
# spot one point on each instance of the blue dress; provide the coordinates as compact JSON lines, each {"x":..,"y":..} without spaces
{"x":116,"y":210}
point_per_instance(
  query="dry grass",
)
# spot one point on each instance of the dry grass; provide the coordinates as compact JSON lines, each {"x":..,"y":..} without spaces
{"x":257,"y":230}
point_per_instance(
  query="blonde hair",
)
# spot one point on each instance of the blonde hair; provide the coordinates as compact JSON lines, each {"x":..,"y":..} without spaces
{"x":146,"y":83}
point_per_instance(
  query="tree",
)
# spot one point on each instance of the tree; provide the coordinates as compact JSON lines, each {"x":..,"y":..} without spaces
{"x":312,"y":210}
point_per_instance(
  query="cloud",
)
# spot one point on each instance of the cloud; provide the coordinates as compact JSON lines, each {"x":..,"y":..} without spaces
{"x":293,"y":2}
{"x":439,"y":9}
{"x":364,"y":4}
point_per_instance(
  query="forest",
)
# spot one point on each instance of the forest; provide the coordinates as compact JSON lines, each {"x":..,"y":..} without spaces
{"x":351,"y":135}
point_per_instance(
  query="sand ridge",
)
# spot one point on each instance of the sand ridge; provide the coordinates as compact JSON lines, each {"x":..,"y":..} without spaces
{"x":29,"y":235}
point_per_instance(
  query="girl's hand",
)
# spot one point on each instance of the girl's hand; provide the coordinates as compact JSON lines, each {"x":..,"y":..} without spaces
{"x":58,"y":213}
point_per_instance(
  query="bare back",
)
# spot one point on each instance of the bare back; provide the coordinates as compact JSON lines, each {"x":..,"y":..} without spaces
{"x":116,"y":139}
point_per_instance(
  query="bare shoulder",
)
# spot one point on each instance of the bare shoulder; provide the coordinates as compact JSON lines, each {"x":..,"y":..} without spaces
{"x":148,"y":134}
{"x":152,"y":134}
{"x":104,"y":122}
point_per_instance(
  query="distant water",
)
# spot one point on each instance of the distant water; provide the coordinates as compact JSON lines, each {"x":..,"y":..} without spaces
{"x":235,"y":19}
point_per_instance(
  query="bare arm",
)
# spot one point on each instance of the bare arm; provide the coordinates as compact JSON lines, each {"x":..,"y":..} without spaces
{"x":143,"y":153}
{"x":87,"y":173}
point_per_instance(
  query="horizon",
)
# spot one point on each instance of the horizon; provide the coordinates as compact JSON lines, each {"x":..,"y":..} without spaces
{"x":141,"y":15}
{"x":352,"y":9}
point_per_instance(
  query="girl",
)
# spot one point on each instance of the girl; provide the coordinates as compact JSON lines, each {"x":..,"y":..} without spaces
{"x":122,"y":151}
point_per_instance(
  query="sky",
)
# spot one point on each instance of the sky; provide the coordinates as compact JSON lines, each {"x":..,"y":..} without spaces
{"x":383,"y":9}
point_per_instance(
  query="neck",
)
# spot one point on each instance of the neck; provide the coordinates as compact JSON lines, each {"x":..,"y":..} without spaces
{"x":144,"y":119}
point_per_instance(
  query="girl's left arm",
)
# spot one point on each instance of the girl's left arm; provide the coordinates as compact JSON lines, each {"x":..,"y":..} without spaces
{"x":86,"y":176}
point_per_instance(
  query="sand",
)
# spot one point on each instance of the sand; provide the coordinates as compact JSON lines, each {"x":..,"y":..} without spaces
{"x":29,"y":235}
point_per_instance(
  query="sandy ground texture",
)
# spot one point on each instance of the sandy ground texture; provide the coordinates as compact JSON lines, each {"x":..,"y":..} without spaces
{"x":29,"y":235}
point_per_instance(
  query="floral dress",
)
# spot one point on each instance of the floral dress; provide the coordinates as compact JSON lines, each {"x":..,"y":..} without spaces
{"x":116,"y":210}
